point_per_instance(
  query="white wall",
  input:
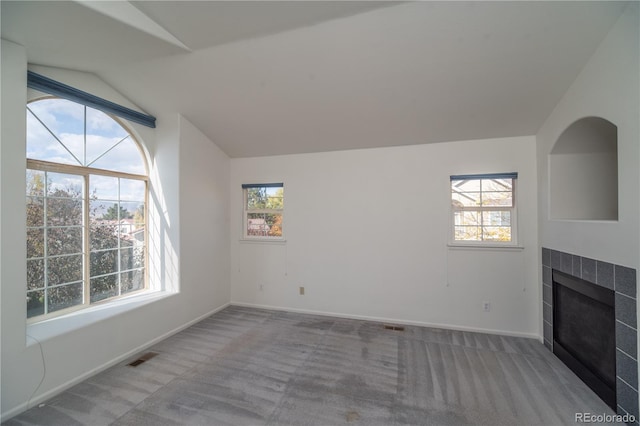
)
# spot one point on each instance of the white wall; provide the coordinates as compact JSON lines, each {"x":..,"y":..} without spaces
{"x":204,"y":217}
{"x":366,"y":235}
{"x":607,"y":87}
{"x":585,"y":186}
{"x":182,"y":162}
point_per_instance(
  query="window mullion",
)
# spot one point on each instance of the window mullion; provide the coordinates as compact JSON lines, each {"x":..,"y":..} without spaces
{"x":46,"y":250}
{"x":119,"y":276}
{"x":86,"y":244}
{"x":84,"y":152}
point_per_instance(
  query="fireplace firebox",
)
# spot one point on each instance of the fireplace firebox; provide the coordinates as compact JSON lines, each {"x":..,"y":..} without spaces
{"x":584,"y":332}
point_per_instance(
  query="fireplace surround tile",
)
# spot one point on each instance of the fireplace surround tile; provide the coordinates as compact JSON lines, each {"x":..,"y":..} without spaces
{"x":567,"y":263}
{"x":577,"y":266}
{"x":627,"y":368}
{"x":547,"y":313}
{"x":556,"y":260}
{"x":589,"y":270}
{"x":626,"y":310}
{"x":548,"y":331}
{"x":615,"y":277}
{"x":604,"y":274}
{"x":625,"y":280}
{"x":627,"y":398}
{"x":627,"y":339}
{"x":547,"y":277}
{"x":547,"y":294}
{"x":546,"y":257}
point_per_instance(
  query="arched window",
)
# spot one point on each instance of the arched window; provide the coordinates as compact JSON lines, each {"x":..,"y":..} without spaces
{"x":86,"y":208}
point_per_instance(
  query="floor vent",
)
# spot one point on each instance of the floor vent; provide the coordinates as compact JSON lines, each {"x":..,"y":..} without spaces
{"x":143,"y":358}
{"x":394,"y":327}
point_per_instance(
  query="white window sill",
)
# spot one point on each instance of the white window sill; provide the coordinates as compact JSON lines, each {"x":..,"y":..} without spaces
{"x":263,"y":241}
{"x":484,"y":247}
{"x":47,"y":329}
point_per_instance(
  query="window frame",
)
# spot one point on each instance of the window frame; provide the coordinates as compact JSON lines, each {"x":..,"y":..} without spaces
{"x":246,"y":211}
{"x":85,"y":172}
{"x":513,"y":243}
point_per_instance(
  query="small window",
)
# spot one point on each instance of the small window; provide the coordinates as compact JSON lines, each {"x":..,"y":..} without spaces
{"x":263,"y":210}
{"x":484,"y":209}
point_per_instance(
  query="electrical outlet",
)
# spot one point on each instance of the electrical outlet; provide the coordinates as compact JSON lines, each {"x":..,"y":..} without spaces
{"x":301,"y":291}
{"x":486,"y":306}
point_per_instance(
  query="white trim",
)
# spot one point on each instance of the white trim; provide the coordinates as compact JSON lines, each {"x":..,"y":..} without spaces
{"x":273,"y":240}
{"x":484,"y":247}
{"x":61,"y":388}
{"x":390,"y":320}
{"x":52,"y":327}
{"x":515,"y":234}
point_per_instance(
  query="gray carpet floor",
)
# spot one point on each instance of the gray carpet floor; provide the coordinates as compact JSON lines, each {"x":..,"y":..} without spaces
{"x":246,"y":366}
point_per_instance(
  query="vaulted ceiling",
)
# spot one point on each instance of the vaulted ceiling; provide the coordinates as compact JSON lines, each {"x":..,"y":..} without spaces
{"x":277,"y":77}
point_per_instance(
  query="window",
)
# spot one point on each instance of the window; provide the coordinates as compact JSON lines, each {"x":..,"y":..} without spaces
{"x":263,"y":210}
{"x":86,"y":208}
{"x":484,"y":209}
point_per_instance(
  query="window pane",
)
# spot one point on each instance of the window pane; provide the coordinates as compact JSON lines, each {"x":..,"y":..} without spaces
{"x":129,"y":208}
{"x":103,"y":237}
{"x":468,"y":233}
{"x":132,"y":280}
{"x":497,"y":185}
{"x":35,"y":182}
{"x":35,"y":243}
{"x":497,"y":199}
{"x":35,"y":211}
{"x":132,"y":190}
{"x":64,"y":211}
{"x":497,"y":218}
{"x":103,"y":132}
{"x":64,"y":296}
{"x":41,"y":144}
{"x":103,"y":210}
{"x":35,"y":303}
{"x":127,"y":259}
{"x":264,"y":224}
{"x":125,"y":157}
{"x":467,"y":218}
{"x":35,"y":274}
{"x":103,"y":187}
{"x":466,"y":199}
{"x":257,"y":224}
{"x":104,"y":287}
{"x":64,"y":240}
{"x":64,"y":269}
{"x":497,"y":233}
{"x":275,"y":198}
{"x":131,"y":258}
{"x":103,"y":262}
{"x":139,"y":218}
{"x":256,"y":198}
{"x":63,"y":185}
{"x":471,"y":185}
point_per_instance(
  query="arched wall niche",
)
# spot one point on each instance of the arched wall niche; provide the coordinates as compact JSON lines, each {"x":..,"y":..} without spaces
{"x":583,"y":167}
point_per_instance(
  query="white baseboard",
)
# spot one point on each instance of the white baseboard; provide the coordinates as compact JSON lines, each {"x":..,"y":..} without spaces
{"x":59,"y":389}
{"x":390,"y":320}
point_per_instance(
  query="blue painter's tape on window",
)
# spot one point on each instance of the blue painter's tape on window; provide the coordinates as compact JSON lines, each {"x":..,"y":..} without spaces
{"x":47,"y":85}
{"x":262,"y":185}
{"x":512,"y":175}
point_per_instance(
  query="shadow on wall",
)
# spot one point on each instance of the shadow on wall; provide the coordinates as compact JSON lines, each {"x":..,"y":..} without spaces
{"x":583,"y":167}
{"x":164,"y":272}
